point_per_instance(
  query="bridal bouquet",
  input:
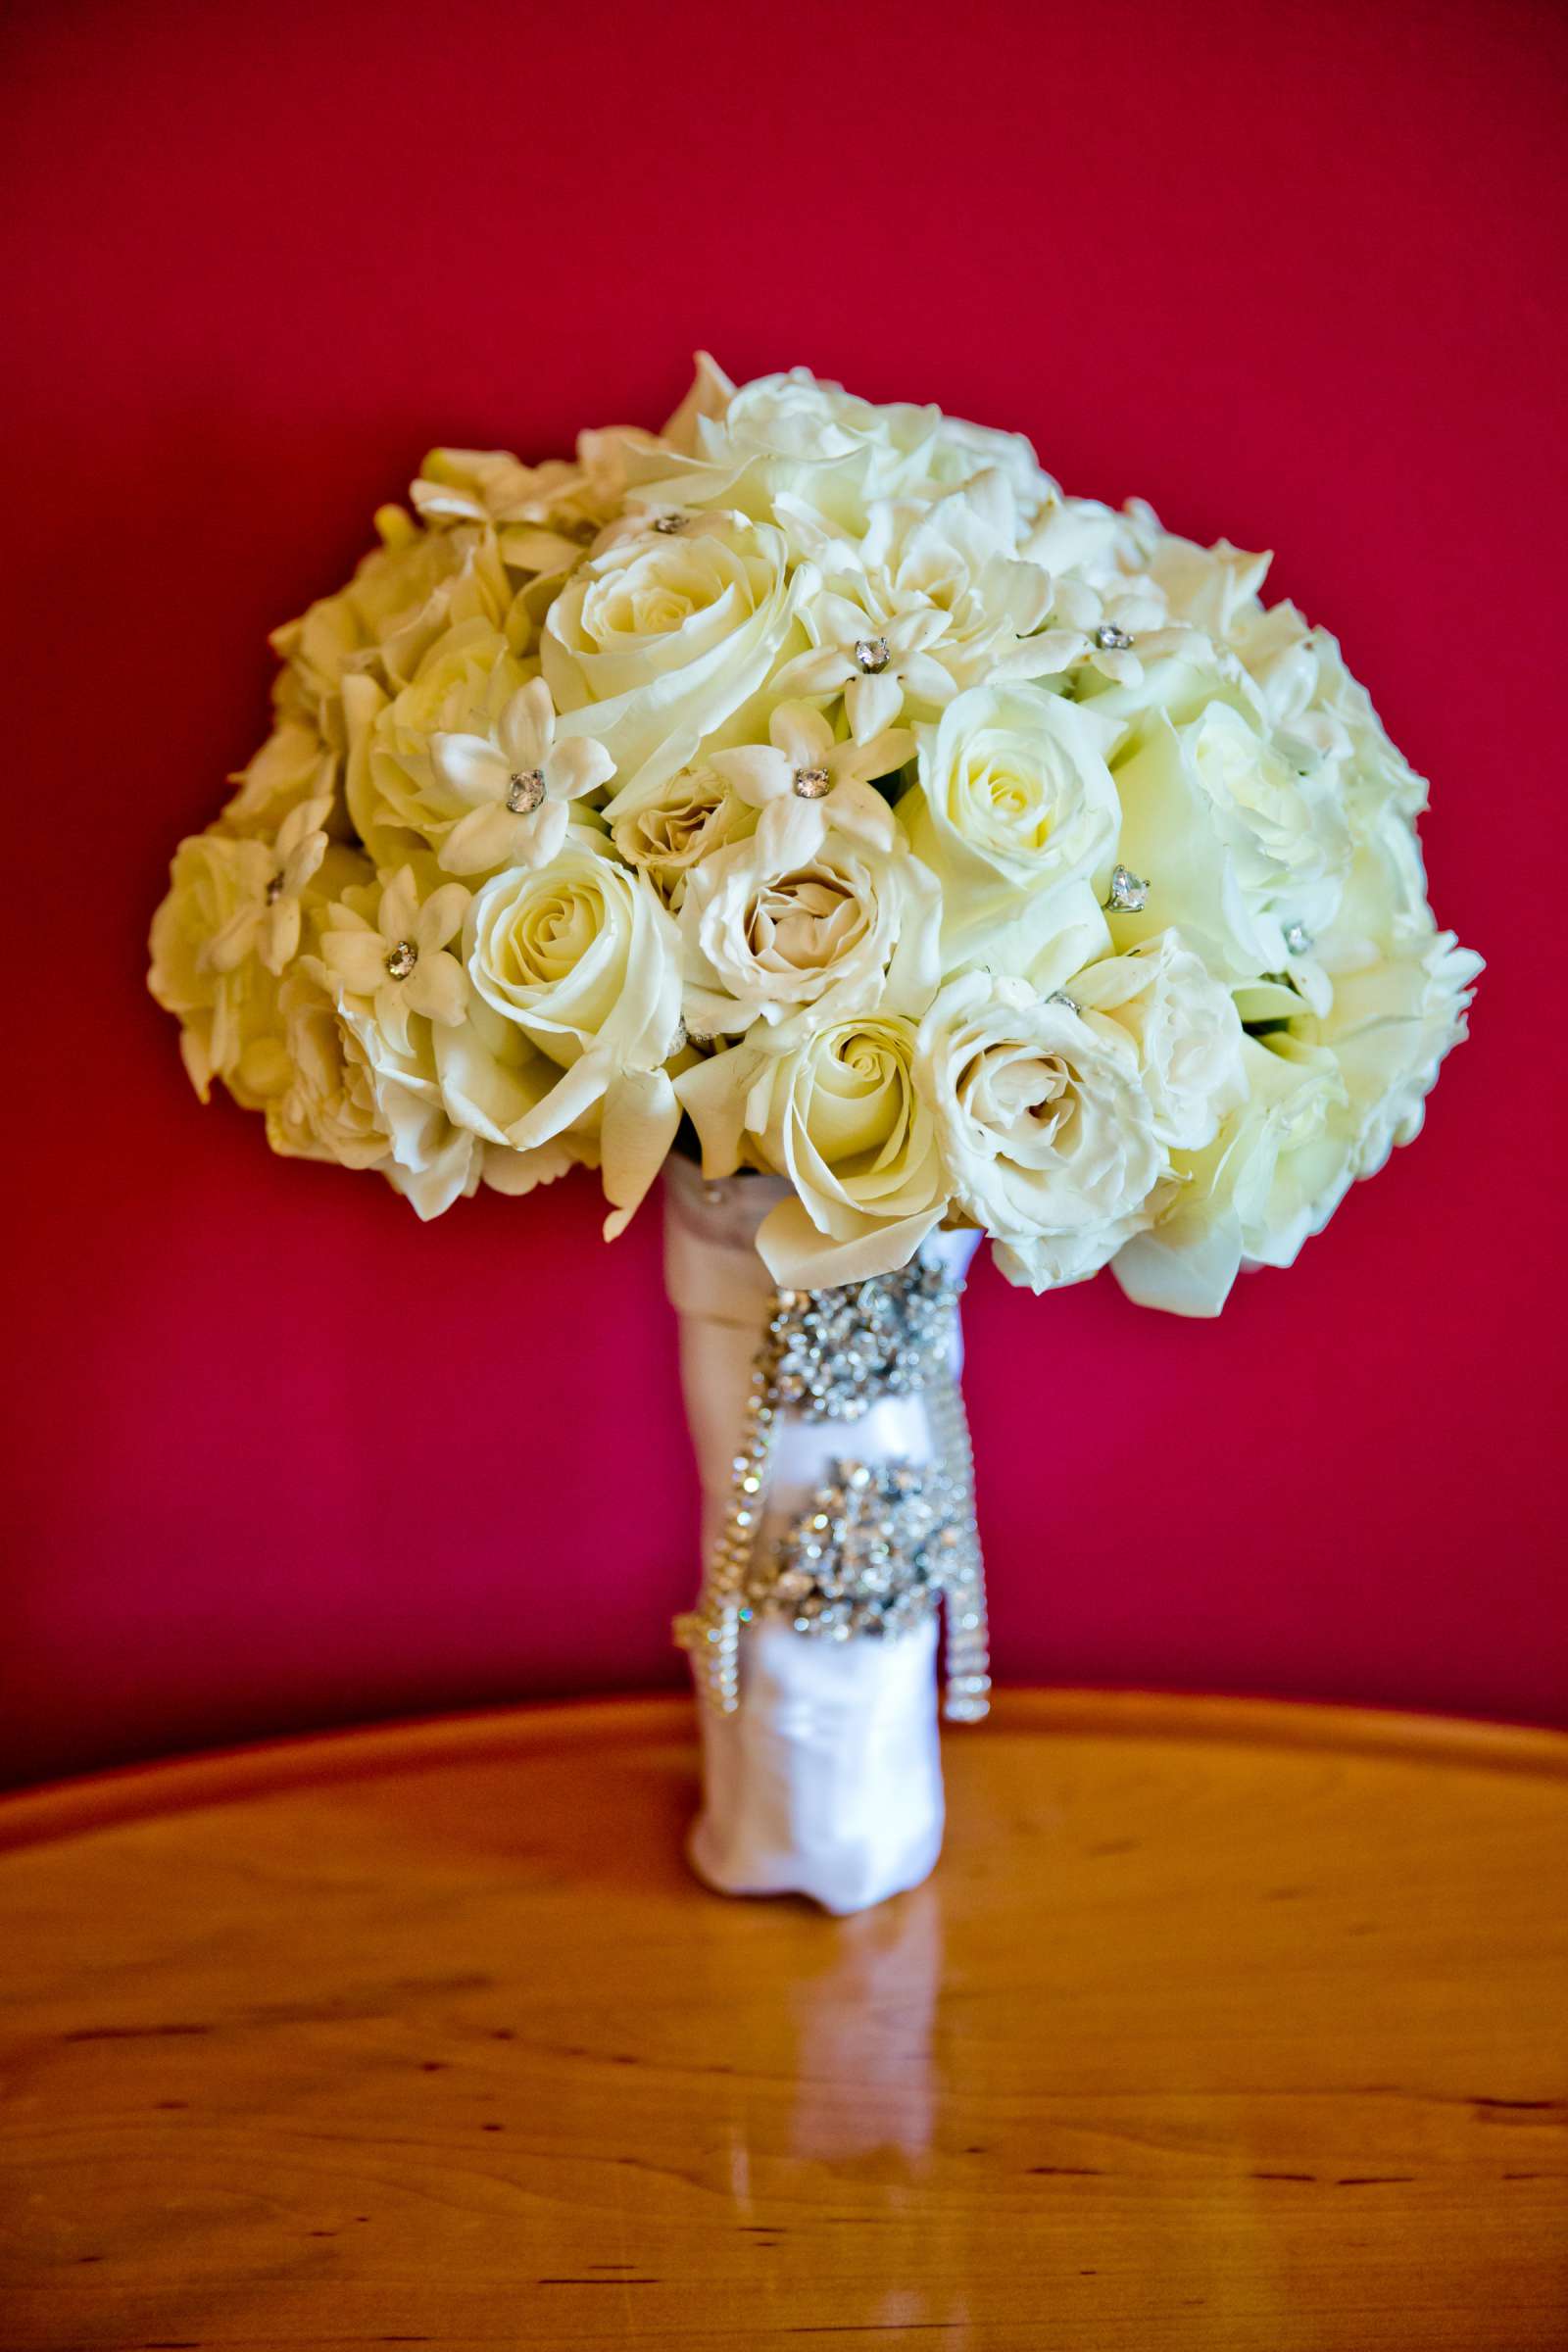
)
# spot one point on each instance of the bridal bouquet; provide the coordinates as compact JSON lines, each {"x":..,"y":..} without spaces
{"x":814,"y":782}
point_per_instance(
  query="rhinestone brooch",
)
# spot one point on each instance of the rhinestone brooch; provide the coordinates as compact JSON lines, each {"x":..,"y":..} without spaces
{"x":811,"y":783}
{"x":1129,"y":891}
{"x":401,"y":960}
{"x":839,"y":1351}
{"x":525,"y":791}
{"x":1108,"y":639}
{"x":873,"y":654}
{"x":874,"y":1553}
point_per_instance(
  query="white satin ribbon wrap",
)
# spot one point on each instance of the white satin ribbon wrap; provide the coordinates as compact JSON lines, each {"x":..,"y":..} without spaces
{"x":828,"y":1781}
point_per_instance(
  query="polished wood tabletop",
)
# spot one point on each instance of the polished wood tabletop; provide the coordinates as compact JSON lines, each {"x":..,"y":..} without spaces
{"x":1220,"y":2025}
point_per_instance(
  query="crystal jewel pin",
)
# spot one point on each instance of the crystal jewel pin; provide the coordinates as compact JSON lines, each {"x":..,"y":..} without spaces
{"x":525,"y":792}
{"x":811,"y":783}
{"x":874,"y":1550}
{"x":1112,"y":640}
{"x":401,"y":960}
{"x":1129,"y":891}
{"x":1297,"y":938}
{"x":873,"y":654}
{"x":840,"y":1349}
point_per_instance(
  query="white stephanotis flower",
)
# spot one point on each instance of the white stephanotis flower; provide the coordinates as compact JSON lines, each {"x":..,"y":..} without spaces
{"x":850,"y":929}
{"x":398,"y":964}
{"x":519,"y":784}
{"x":1048,"y":1134}
{"x":928,"y":600}
{"x":806,"y":784}
{"x":276,"y":877}
{"x":876,"y":663}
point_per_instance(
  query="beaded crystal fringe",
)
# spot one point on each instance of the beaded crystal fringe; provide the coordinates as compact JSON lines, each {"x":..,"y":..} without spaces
{"x":880,"y":1545}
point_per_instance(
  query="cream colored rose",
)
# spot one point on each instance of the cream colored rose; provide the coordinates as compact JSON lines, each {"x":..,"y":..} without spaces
{"x":405,"y":595}
{"x":695,"y":813}
{"x":852,"y":929}
{"x":1017,"y":814}
{"x":1237,"y":848}
{"x":841,"y":1116}
{"x":292,"y":766}
{"x":651,"y":644}
{"x":400,"y":791}
{"x":1048,"y":1135}
{"x":1332,"y":1087}
{"x":1183,"y":1027}
{"x":582,"y":956}
{"x":1273,"y":1175}
{"x":327,"y":1110}
{"x":230,"y":1027}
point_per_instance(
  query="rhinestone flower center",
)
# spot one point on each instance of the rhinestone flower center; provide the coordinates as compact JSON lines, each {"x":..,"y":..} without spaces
{"x":811,"y":783}
{"x":1129,"y":891}
{"x":1109,"y":639}
{"x":873,"y":654}
{"x":525,"y":790}
{"x":274,"y":890}
{"x":402,"y":959}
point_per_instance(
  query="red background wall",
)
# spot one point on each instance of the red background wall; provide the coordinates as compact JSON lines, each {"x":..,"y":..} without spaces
{"x":278,"y":1455}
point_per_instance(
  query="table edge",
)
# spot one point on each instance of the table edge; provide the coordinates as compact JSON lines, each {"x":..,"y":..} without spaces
{"x":142,"y":1792}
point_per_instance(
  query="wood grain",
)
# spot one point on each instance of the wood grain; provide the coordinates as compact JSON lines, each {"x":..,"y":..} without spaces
{"x":1221,"y":2026}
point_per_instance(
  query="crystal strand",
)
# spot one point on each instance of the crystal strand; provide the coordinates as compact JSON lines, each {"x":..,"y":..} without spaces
{"x":710,"y":1631}
{"x":966,"y":1661}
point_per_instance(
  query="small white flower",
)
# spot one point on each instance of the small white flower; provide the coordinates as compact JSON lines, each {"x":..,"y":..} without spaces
{"x":400,"y":960}
{"x":519,"y":785}
{"x":875,"y":663}
{"x":805,"y":784}
{"x":267,"y":923}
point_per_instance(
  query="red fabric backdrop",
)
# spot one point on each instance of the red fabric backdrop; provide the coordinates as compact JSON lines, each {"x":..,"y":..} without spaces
{"x":277,"y":1454}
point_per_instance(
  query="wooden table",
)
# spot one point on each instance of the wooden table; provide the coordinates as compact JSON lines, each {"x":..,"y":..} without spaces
{"x":1222,"y":2025}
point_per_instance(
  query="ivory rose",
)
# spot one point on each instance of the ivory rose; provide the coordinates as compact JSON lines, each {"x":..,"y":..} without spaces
{"x":1016,"y":815}
{"x":583,"y":957}
{"x":1048,"y":1135}
{"x":841,"y":1116}
{"x":850,"y":929}
{"x":653,"y":645}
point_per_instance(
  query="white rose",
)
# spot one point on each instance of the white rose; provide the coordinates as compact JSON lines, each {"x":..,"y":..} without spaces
{"x":328,"y":1109}
{"x":841,"y":1116}
{"x":1048,"y":1135}
{"x":407,"y":594}
{"x":230,"y":1027}
{"x":1183,"y":1027}
{"x":582,"y":956}
{"x":651,"y":644}
{"x":1330,"y":1093}
{"x":1017,"y":814}
{"x":1273,"y":1175}
{"x":399,"y":792}
{"x":1237,"y":848}
{"x":431,"y":1159}
{"x":694,"y":815}
{"x":852,"y":929}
